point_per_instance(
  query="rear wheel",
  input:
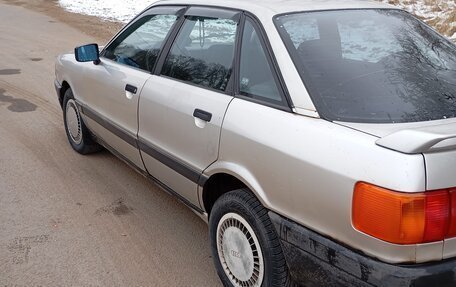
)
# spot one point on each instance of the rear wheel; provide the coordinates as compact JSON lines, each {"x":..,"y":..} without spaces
{"x":78,"y":135}
{"x":245,"y":245}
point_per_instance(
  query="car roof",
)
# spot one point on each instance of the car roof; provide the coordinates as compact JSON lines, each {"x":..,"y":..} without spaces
{"x":283,"y":6}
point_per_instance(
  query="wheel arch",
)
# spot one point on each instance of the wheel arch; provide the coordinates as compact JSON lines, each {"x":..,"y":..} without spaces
{"x":226,"y":177}
{"x":65,"y":87}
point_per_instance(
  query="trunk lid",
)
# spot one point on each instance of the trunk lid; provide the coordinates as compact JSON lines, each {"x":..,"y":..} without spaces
{"x":436,"y":140}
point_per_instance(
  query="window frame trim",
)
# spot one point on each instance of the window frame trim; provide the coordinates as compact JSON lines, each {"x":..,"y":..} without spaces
{"x":147,"y":12}
{"x":287,"y":104}
{"x":164,"y":51}
{"x":167,"y":48}
{"x":233,"y":83}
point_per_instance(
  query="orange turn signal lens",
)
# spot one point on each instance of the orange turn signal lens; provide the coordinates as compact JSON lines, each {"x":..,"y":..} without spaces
{"x":401,"y":218}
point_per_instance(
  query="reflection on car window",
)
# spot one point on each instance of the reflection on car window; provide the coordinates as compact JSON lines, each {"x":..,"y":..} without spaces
{"x":256,"y":76}
{"x":140,"y":45}
{"x":366,"y":40}
{"x":304,"y":30}
{"x":203,"y":52}
{"x":372,"y":66}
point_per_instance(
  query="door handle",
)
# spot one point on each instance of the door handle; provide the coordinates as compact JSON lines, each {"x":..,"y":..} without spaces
{"x":131,"y":89}
{"x":202,"y":115}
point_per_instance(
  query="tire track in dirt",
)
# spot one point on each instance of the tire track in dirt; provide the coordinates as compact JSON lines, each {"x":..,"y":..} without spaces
{"x":20,"y":93}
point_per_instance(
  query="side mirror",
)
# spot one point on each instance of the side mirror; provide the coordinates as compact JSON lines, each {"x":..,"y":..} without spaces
{"x":87,"y":53}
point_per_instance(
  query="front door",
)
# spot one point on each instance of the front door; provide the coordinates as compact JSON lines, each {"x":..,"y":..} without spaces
{"x":110,"y":101}
{"x":181,"y":108}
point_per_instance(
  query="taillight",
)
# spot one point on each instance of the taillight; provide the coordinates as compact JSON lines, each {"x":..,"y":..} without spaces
{"x":437,"y":211}
{"x":404,"y":218}
{"x":452,"y":228}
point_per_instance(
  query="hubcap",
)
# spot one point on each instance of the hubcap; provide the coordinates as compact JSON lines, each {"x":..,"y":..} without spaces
{"x":239,"y":251}
{"x":73,"y":122}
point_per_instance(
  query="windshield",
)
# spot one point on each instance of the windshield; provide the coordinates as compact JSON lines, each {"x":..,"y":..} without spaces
{"x":372,"y":66}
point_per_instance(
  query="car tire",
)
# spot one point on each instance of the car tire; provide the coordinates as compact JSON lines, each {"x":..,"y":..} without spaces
{"x":245,"y":246}
{"x":77,"y":133}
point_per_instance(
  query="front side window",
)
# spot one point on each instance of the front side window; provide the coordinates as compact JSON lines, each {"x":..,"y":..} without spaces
{"x":372,"y":66}
{"x":140,"y":44}
{"x":256,"y":75}
{"x":203,"y":52}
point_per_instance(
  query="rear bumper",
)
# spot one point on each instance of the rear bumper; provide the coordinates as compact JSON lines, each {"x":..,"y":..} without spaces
{"x":314,"y":260}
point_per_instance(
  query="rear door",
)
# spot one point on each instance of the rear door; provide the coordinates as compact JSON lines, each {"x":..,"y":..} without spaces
{"x":181,"y":108}
{"x":112,"y":88}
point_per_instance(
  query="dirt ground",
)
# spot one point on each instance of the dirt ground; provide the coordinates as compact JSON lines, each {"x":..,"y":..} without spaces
{"x":67,"y":219}
{"x":89,"y":25}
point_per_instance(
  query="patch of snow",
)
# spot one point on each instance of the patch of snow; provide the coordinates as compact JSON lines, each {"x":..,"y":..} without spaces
{"x":111,"y":10}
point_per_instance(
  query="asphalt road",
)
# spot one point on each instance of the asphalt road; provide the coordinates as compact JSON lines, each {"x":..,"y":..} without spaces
{"x":72,"y":220}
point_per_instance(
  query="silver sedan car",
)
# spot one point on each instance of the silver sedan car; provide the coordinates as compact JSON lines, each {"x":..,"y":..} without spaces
{"x":317,"y":138}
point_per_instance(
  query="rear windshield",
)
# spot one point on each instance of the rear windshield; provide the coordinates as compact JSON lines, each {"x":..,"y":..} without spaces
{"x":372,"y":66}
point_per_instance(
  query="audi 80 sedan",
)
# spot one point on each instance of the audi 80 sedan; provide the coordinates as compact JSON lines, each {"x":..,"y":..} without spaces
{"x":317,"y":138}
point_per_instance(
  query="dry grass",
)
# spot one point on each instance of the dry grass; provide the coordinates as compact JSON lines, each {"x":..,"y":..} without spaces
{"x":441,"y":14}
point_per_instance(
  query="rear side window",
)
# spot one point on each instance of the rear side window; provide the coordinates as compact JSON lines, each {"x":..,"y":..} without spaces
{"x":372,"y":66}
{"x":203,"y":52}
{"x":140,"y":44}
{"x":256,"y":75}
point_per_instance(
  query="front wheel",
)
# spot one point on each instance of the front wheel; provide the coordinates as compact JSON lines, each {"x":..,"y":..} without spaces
{"x":78,"y":134}
{"x":245,"y":245}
